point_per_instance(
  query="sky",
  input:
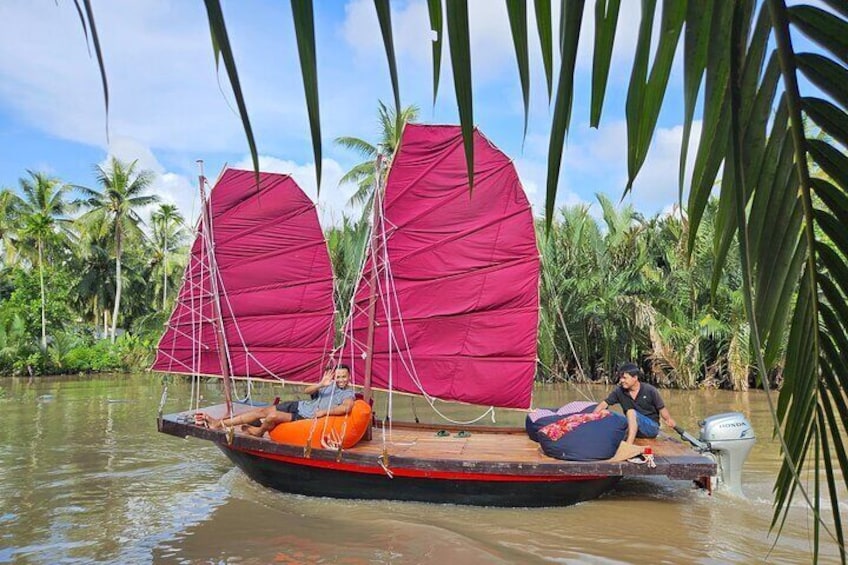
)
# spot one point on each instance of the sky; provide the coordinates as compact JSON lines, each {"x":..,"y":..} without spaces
{"x":169,"y":107}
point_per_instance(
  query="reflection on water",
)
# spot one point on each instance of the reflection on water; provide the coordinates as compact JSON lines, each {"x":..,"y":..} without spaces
{"x":85,"y":477}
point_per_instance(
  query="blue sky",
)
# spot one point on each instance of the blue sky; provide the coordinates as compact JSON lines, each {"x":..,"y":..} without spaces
{"x":168,"y":107}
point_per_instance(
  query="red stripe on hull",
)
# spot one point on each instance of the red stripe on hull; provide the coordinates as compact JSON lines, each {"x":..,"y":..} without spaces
{"x":418,"y":473}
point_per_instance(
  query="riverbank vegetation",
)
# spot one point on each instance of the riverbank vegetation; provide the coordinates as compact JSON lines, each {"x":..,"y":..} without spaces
{"x":616,"y":285}
{"x":64,"y":247}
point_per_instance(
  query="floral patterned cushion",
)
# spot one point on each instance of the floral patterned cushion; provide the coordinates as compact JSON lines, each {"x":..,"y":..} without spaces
{"x":568,"y":424}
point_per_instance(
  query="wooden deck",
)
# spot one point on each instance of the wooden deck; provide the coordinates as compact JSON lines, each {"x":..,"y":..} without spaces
{"x":484,"y":450}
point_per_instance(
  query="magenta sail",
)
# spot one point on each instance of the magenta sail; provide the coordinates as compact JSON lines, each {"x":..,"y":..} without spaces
{"x":460,"y":298}
{"x":274,"y":286}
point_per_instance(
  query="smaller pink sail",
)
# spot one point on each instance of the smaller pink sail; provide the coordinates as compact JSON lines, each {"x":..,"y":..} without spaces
{"x":275,"y":286}
{"x":463,"y":276}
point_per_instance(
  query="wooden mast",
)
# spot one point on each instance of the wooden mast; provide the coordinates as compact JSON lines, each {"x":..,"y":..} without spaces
{"x":372,"y":299}
{"x":218,"y":319}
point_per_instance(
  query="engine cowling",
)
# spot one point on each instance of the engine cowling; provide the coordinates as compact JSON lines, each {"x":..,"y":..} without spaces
{"x":729,"y":437}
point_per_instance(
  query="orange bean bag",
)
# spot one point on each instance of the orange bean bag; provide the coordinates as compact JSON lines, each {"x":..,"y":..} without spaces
{"x":327,"y":432}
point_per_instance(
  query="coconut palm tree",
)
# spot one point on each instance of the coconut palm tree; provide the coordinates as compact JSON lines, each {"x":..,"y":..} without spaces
{"x":363,"y":175}
{"x":168,"y":234}
{"x":9,"y":203}
{"x":114,"y":210}
{"x":42,"y":222}
{"x":346,"y":245}
{"x":95,"y":267}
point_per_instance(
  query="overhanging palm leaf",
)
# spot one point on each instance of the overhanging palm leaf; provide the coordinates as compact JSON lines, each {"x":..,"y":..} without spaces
{"x":782,"y":251}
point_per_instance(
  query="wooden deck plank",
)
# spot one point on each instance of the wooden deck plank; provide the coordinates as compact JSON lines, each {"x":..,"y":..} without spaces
{"x":493,"y":451}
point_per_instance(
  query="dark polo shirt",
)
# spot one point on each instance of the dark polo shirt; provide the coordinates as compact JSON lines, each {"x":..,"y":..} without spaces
{"x":648,"y":402}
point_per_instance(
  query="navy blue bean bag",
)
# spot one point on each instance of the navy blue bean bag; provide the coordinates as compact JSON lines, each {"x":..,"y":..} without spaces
{"x":542,"y":417}
{"x":591,"y":441}
{"x":532,"y":427}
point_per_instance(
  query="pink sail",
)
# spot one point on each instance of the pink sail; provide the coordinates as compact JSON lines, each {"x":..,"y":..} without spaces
{"x":464,"y":269}
{"x":275,"y":285}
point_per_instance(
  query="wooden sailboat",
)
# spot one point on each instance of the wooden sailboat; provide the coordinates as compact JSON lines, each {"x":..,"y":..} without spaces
{"x":446,"y":309}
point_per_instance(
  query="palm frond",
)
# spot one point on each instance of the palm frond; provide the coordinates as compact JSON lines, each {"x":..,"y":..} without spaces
{"x":354,"y":143}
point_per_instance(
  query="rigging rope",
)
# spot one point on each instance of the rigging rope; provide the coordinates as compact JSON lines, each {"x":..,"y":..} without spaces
{"x":583,"y":394}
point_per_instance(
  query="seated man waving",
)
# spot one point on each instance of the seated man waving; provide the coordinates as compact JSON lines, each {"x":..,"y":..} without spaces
{"x":332,"y":396}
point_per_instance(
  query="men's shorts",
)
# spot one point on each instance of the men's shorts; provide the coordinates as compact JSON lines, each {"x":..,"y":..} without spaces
{"x":646,"y":427}
{"x":290,"y":406}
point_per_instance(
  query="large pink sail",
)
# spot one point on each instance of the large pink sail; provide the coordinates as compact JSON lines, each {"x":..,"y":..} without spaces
{"x":275,"y":285}
{"x":464,"y":268}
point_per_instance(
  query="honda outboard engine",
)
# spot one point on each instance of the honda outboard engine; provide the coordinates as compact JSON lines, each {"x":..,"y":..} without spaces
{"x":727,"y":438}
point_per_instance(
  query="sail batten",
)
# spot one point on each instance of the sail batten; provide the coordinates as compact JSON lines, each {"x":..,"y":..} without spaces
{"x":275,"y":286}
{"x":456,"y":279}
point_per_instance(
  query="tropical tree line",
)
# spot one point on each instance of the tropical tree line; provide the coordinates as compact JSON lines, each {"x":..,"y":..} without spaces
{"x":616,"y":286}
{"x":85,"y":283}
{"x":622,"y":286}
{"x":79,"y":264}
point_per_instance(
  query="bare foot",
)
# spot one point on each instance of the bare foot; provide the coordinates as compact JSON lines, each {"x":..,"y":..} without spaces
{"x":213,"y":423}
{"x":255,"y":431}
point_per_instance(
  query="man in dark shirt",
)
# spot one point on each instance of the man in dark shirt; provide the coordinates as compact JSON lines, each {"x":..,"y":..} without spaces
{"x":642,"y":399}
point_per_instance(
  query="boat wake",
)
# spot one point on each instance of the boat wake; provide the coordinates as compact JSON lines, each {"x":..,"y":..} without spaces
{"x":155,"y":529}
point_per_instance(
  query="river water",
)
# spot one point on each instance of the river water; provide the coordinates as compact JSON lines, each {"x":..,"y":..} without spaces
{"x":86,"y":478}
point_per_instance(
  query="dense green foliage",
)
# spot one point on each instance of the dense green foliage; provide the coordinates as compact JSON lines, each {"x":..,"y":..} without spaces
{"x":616,"y":286}
{"x":626,"y":287}
{"x":58,"y":273}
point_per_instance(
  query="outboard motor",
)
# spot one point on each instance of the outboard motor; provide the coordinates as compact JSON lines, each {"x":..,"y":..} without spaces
{"x":728,"y":438}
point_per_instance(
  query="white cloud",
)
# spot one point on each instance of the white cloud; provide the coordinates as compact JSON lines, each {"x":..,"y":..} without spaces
{"x":657,"y":183}
{"x":162,"y":82}
{"x":533,"y":175}
{"x":491,"y":46}
{"x":170,"y":187}
{"x":128,"y":149}
{"x":410,"y":31}
{"x":492,"y":50}
{"x":599,"y":164}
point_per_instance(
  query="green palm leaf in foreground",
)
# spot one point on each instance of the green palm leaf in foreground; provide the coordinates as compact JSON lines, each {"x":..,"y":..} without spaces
{"x":790,"y":223}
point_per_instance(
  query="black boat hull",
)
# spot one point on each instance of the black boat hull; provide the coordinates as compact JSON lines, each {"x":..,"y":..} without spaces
{"x":311,"y":480}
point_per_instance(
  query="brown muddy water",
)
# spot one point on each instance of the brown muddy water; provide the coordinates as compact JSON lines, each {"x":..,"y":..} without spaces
{"x":85,"y":478}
